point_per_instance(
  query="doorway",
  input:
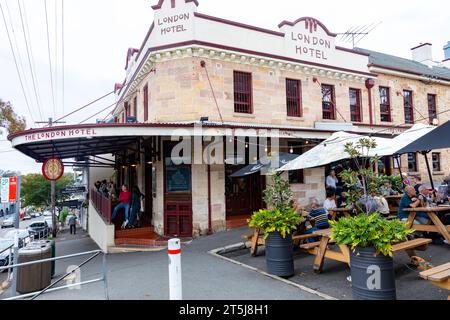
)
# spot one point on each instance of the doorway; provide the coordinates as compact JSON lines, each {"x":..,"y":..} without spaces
{"x":244,"y":194}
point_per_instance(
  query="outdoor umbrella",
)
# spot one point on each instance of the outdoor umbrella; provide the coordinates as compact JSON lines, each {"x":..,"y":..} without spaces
{"x":389,"y":147}
{"x":439,"y":138}
{"x":329,"y":151}
{"x":265,"y":164}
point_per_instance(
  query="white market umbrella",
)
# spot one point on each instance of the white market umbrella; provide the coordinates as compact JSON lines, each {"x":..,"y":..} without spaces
{"x":389,"y":147}
{"x":329,"y":151}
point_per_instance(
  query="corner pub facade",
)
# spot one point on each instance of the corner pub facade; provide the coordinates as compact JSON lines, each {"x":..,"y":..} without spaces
{"x":245,"y":85}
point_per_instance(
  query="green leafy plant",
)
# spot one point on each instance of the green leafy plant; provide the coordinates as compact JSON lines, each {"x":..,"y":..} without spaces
{"x":284,"y":222}
{"x":372,"y":231}
{"x":63,"y":215}
{"x":280,"y":216}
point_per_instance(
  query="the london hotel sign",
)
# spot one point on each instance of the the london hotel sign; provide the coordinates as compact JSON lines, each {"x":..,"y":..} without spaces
{"x":71,"y":133}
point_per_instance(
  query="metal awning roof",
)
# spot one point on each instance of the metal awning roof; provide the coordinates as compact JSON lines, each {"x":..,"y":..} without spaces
{"x":67,"y":142}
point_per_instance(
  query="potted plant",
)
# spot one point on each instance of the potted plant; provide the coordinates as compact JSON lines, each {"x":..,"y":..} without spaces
{"x":278,"y":221}
{"x":369,"y":235}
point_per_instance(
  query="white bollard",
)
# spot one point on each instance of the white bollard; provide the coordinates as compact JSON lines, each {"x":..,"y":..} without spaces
{"x":175,"y":285}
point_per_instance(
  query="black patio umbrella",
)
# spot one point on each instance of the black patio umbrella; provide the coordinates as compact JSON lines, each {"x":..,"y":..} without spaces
{"x":266,"y":163}
{"x":439,"y":138}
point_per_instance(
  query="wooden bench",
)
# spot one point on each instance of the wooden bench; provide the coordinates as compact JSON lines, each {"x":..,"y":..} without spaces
{"x":322,"y":251}
{"x":439,"y":276}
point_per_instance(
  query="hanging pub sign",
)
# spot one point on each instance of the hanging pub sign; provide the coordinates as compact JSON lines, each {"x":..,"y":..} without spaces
{"x":53,"y":169}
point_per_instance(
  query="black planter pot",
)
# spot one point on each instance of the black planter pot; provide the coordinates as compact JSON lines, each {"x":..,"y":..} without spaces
{"x":280,"y":261}
{"x":372,"y":276}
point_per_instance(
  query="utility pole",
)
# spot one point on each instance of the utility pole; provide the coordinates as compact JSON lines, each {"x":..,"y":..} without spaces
{"x":52,"y":183}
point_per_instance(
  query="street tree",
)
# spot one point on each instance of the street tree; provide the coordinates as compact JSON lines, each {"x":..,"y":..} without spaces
{"x":36,"y":190}
{"x":10,"y":120}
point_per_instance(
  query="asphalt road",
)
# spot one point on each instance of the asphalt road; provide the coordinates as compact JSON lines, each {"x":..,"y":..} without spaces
{"x":22,"y":225}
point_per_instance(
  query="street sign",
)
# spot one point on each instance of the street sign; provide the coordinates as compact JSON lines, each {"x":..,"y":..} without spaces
{"x":53,"y":169}
{"x":73,"y":190}
{"x":4,"y":190}
{"x":13,"y":189}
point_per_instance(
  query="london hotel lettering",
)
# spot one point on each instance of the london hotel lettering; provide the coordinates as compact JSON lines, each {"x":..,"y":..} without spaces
{"x":167,"y":28}
{"x":311,"y":46}
{"x":60,"y":134}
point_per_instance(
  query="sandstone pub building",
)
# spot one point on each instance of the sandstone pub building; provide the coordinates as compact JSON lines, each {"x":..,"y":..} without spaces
{"x":245,"y":86}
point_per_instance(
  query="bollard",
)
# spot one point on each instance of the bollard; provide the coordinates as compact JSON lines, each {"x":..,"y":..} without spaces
{"x":175,"y":284}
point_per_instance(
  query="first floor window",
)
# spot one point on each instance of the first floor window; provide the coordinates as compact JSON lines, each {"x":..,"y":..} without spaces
{"x":243,"y":99}
{"x":385,"y":104}
{"x":328,"y":102}
{"x":355,"y":105}
{"x":293,"y":98}
{"x":412,"y":162}
{"x":408,"y":106}
{"x":436,"y":162}
{"x":432,"y":109}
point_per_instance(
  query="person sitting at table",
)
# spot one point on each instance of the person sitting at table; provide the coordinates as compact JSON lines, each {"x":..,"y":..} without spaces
{"x":426,"y":197}
{"x":409,"y":200}
{"x":417,"y":183}
{"x":330,"y":201}
{"x":387,"y":190}
{"x":319,"y":216}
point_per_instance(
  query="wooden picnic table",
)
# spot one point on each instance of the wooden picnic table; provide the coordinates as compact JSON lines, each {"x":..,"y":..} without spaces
{"x":345,"y":211}
{"x":436,"y":226}
{"x":394,"y":203}
{"x":321,"y":249}
{"x":439,"y":276}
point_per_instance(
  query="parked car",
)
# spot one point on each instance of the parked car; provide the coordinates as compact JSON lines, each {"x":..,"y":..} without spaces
{"x":8,"y":223}
{"x":27,"y":216}
{"x":49,"y":221}
{"x":5,"y":244}
{"x":24,"y":236}
{"x":47,"y":213}
{"x":38,"y":229}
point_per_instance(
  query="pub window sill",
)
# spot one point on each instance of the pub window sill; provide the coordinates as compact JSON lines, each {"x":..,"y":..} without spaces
{"x":438,"y":173}
{"x":291,"y":118}
{"x":244,"y":115}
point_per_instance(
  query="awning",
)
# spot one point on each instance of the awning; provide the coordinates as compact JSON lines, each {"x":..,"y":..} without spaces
{"x":265,"y":164}
{"x":439,"y":138}
{"x":329,"y":151}
{"x":67,"y":142}
{"x":393,"y":146}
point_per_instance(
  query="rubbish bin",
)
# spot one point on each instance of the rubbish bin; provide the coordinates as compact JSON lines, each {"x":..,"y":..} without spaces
{"x":37,"y":276}
{"x":50,"y":243}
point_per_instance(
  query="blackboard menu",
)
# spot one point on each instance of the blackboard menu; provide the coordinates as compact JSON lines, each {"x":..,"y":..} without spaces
{"x":178,"y":178}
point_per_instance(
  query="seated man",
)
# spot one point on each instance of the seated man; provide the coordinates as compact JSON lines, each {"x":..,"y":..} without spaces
{"x":319,"y":216}
{"x":425,"y":196}
{"x":409,"y":200}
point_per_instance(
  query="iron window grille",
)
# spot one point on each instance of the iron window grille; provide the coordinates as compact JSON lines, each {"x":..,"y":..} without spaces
{"x":293,"y":98}
{"x":328,"y":102}
{"x":243,"y":99}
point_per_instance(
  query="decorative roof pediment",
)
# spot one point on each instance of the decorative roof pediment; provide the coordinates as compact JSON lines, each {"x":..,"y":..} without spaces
{"x":172,"y":3}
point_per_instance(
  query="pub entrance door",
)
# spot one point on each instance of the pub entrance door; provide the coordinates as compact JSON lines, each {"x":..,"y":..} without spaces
{"x":177,"y":195}
{"x":243,"y":195}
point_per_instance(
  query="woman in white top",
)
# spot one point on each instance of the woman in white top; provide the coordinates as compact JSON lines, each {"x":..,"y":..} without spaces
{"x":330,"y":201}
{"x":332,"y":180}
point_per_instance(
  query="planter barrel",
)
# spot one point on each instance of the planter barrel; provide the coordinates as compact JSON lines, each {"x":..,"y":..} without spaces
{"x":279,"y":257}
{"x":373,"y":277}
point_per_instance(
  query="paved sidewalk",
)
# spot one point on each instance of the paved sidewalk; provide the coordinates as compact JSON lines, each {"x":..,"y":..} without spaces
{"x":144,"y":276}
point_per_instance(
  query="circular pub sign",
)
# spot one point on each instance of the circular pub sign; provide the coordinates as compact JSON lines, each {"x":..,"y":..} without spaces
{"x":53,"y":169}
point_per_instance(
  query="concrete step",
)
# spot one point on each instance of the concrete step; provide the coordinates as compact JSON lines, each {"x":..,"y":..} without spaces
{"x":130,"y":249}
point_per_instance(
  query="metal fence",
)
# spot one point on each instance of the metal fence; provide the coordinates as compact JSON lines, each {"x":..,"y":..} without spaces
{"x":50,"y":288}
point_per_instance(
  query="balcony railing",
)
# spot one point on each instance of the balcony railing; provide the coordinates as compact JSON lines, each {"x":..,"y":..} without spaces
{"x":102,"y":204}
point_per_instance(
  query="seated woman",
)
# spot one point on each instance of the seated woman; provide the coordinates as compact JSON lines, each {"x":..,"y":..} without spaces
{"x":124,"y":198}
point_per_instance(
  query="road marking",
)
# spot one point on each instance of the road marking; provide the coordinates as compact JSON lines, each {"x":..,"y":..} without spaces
{"x":215,"y":253}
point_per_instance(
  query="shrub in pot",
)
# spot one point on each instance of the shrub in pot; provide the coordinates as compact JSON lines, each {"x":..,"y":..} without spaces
{"x":371,"y":239}
{"x":369,"y":234}
{"x":278,"y":223}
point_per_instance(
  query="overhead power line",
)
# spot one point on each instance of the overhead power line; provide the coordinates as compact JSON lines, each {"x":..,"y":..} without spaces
{"x":50,"y":57}
{"x":62,"y":55}
{"x":16,"y":64}
{"x":29,"y":56}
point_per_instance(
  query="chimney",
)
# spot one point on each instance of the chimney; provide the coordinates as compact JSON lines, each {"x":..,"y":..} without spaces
{"x":423,"y":54}
{"x":446,"y":62}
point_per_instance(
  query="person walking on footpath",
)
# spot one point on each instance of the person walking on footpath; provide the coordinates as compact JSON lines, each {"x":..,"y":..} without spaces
{"x":124,"y":198}
{"x":135,"y":205}
{"x":73,"y":224}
